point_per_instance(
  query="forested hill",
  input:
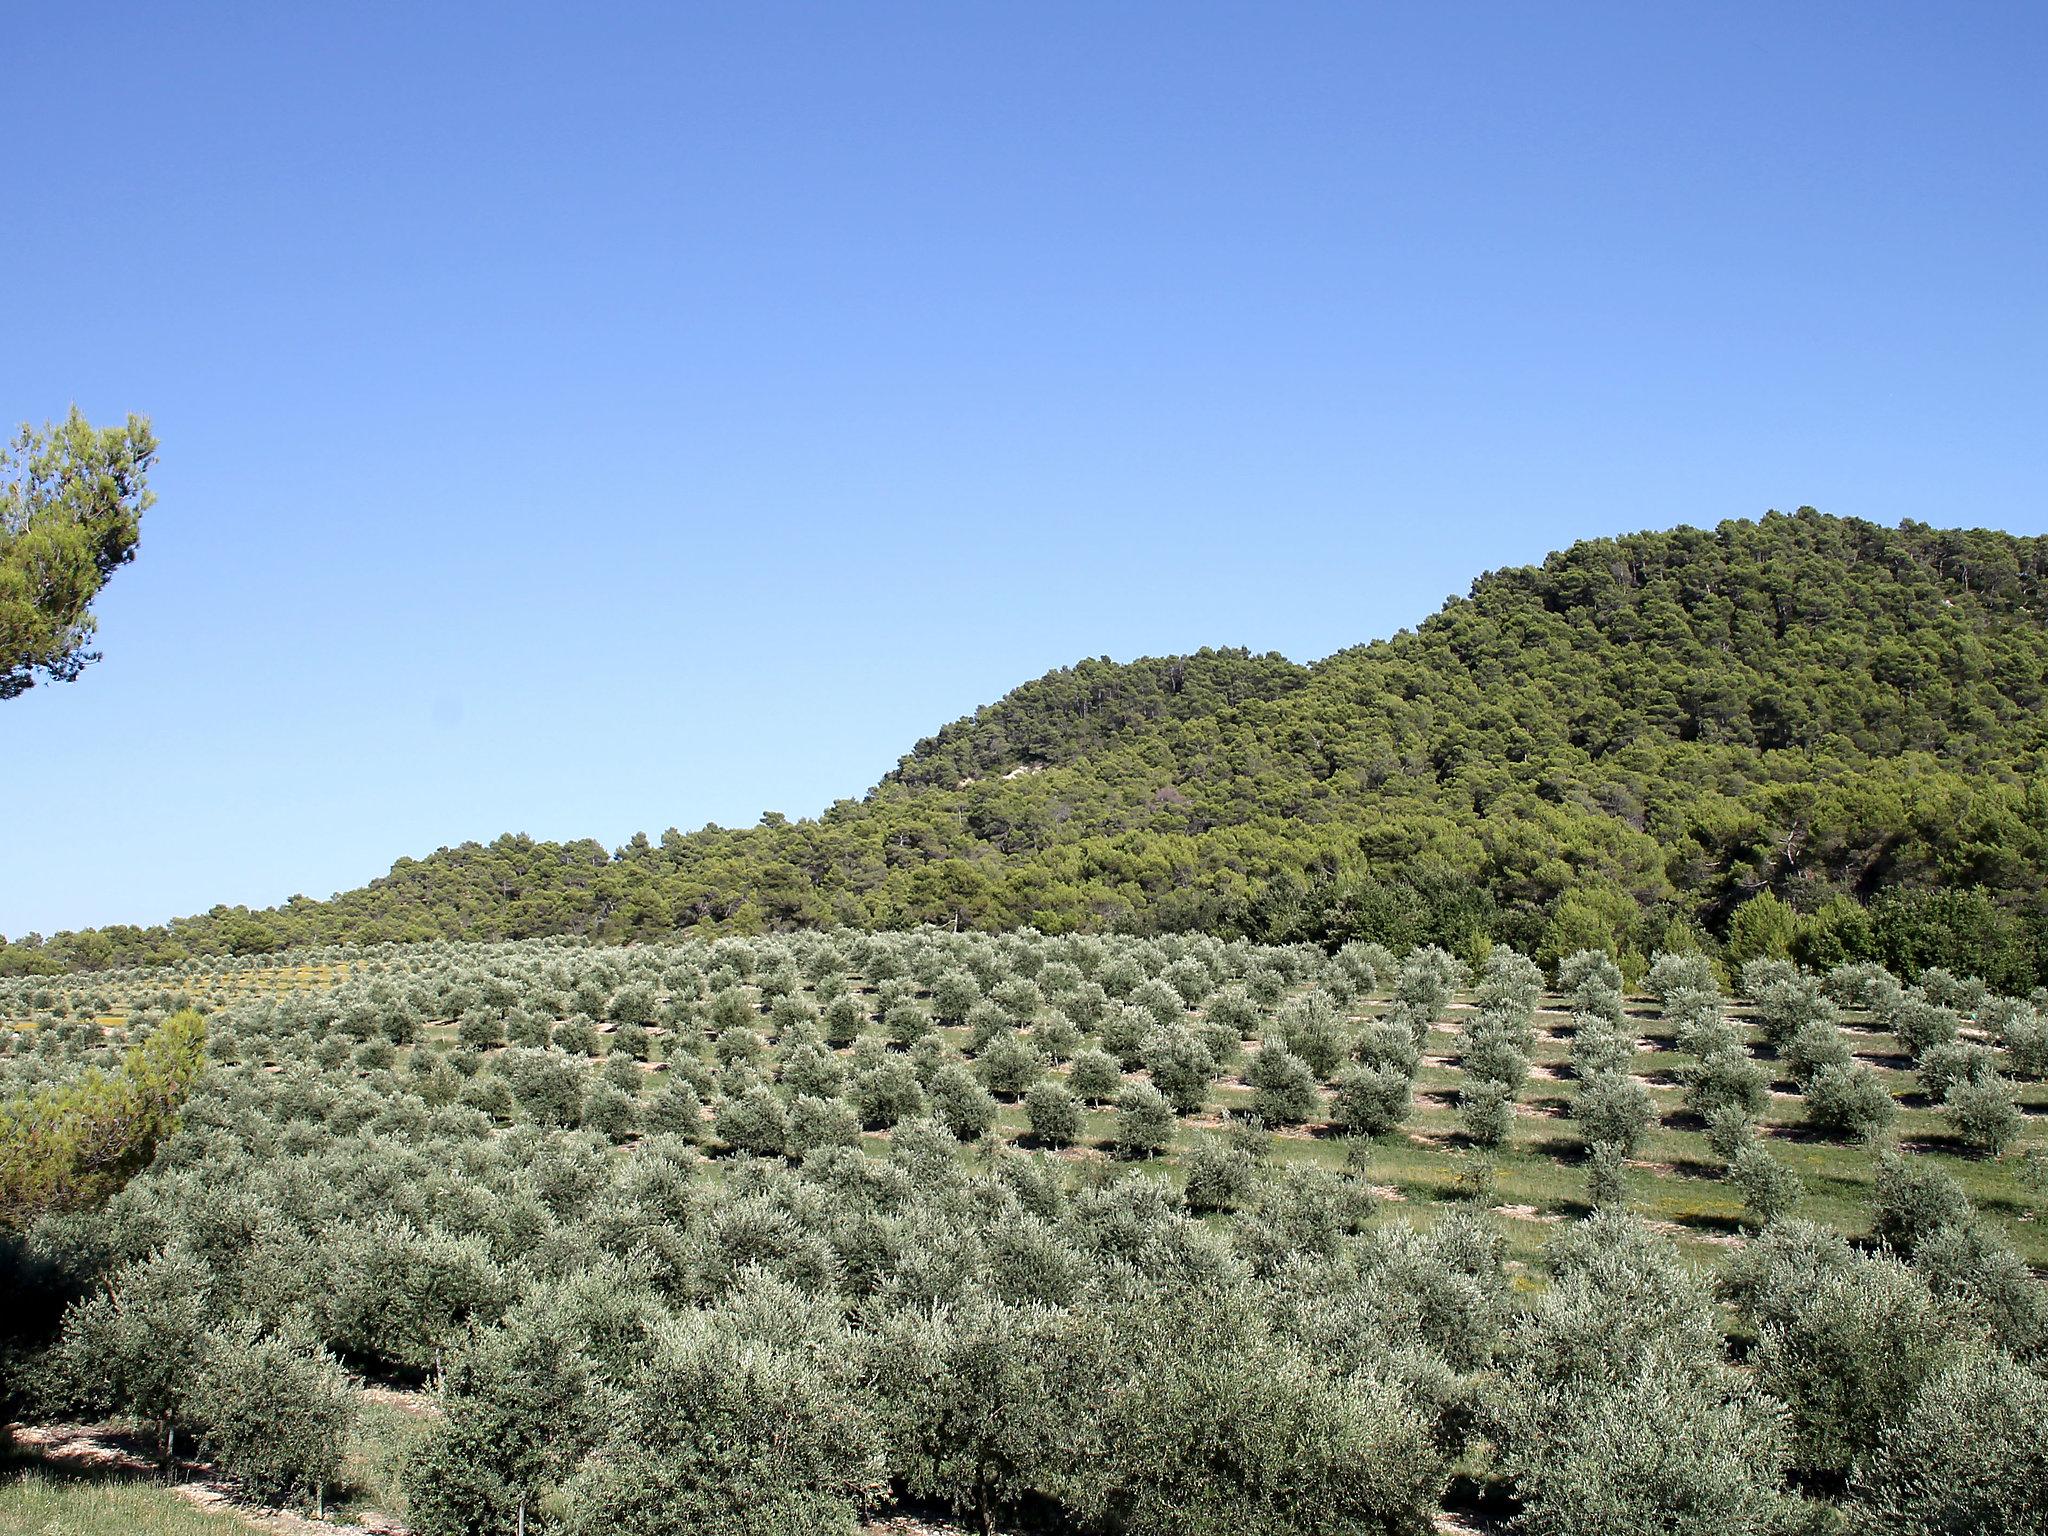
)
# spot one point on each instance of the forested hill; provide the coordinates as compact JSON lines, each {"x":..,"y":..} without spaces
{"x":1804,"y":732}
{"x":1076,"y":711}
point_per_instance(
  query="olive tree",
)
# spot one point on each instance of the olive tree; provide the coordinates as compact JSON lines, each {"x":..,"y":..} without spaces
{"x":275,"y":1414}
{"x":1283,"y":1087}
{"x":1052,"y":1114}
{"x":1966,"y":1453}
{"x":1370,"y":1101}
{"x":725,"y":1436}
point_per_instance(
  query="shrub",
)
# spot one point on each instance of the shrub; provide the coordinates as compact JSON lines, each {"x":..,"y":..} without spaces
{"x":1487,"y":1112}
{"x":1180,"y":1067}
{"x":513,"y":1420}
{"x":739,"y":1046}
{"x":1911,"y":1200}
{"x":754,"y":1122}
{"x":1947,"y":990}
{"x":1770,"y":1190}
{"x":276,"y":1415}
{"x":1284,"y":1089}
{"x":1144,"y":1121}
{"x":1859,"y":983}
{"x":1476,"y":1179}
{"x":1052,"y":1113}
{"x":1019,"y":998}
{"x":1190,"y":979}
{"x":1056,"y":1037}
{"x":1610,"y":1107}
{"x":1849,"y":1101}
{"x":1123,"y":1033}
{"x":1983,"y":1115}
{"x":479,"y":1031}
{"x":546,"y":1085}
{"x":1364,"y":964}
{"x":1294,"y":1213}
{"x":1370,"y":1101}
{"x":1095,"y":1076}
{"x":813,"y":1070}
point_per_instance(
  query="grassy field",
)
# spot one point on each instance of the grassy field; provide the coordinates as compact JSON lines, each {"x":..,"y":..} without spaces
{"x":1675,"y":1181}
{"x":38,"y":1502}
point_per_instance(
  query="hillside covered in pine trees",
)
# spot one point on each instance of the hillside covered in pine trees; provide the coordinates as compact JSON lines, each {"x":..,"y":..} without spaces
{"x":1803,"y":734}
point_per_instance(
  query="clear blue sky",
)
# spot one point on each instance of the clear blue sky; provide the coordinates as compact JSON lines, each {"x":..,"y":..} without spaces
{"x":581,"y":419}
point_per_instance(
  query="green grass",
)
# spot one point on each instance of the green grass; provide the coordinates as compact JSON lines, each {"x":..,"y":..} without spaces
{"x":369,"y":1480}
{"x":1674,"y":1179}
{"x":39,"y":1503}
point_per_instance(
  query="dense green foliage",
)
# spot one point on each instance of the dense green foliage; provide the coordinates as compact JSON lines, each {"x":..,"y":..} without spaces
{"x":71,"y":504}
{"x":1804,"y":735}
{"x":67,"y":1148}
{"x":757,"y":1236}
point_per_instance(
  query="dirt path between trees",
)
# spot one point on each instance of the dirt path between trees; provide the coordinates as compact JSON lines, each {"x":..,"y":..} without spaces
{"x":108,"y":1449}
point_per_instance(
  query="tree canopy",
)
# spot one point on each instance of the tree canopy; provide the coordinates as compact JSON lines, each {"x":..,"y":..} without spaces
{"x":1802,"y":735}
{"x":71,"y":503}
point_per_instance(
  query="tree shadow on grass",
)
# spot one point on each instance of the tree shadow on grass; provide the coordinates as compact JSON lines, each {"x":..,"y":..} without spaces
{"x":1709,"y":1221}
{"x":1695,"y":1168}
{"x":84,"y":1453}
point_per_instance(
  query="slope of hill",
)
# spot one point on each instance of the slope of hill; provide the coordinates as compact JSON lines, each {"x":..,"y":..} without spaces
{"x":1802,"y":732}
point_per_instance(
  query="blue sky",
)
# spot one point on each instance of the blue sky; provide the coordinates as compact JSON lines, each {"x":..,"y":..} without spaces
{"x":581,"y":420}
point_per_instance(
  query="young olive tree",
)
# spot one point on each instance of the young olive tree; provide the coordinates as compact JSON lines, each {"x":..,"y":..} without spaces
{"x":274,"y":1414}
